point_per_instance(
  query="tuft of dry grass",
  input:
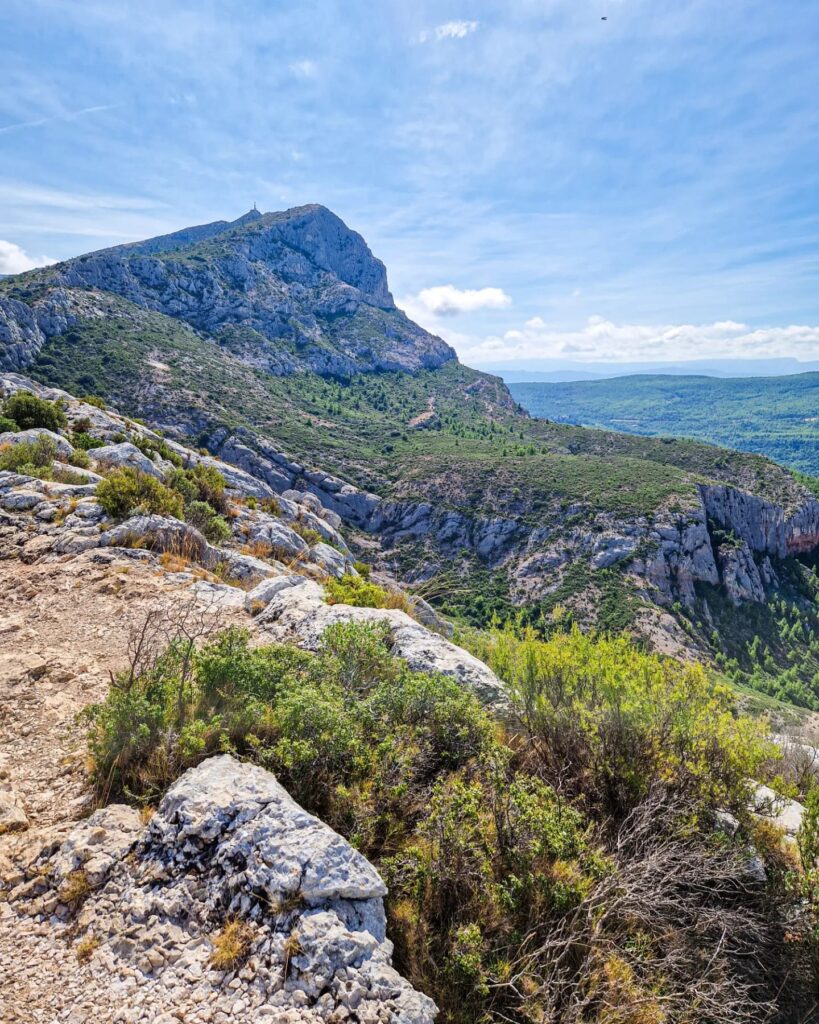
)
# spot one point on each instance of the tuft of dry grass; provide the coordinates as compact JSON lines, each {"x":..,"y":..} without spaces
{"x":85,"y":948}
{"x":232,"y":945}
{"x":75,"y":889}
{"x":292,"y":947}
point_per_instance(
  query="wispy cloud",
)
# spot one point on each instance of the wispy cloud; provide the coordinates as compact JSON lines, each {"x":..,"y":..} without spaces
{"x":70,"y":115}
{"x":14,"y":260}
{"x":29,"y":195}
{"x":448,"y":30}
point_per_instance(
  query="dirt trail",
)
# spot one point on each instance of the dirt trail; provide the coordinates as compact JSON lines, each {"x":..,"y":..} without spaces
{"x":64,"y":626}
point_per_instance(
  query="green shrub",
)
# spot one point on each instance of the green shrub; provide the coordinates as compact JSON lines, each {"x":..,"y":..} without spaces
{"x":86,"y":442}
{"x":200,"y":483}
{"x":29,"y":412}
{"x":80,"y":458}
{"x":361,"y":593}
{"x":98,"y":403}
{"x":7,"y":425}
{"x":202,"y":490}
{"x":808,"y":837}
{"x":507,"y":900}
{"x":616,"y":720}
{"x":213,"y":526}
{"x":31,"y":458}
{"x":126,"y":491}
{"x":307,"y":533}
{"x":159,"y":446}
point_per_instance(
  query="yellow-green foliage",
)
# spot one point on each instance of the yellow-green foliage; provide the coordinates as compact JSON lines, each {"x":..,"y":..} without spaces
{"x":361,"y":593}
{"x":616,"y":719}
{"x":32,"y":458}
{"x":520,"y":888}
{"x":126,"y":491}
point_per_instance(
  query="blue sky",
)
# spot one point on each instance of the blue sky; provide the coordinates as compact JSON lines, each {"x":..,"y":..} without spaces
{"x":541,"y":183}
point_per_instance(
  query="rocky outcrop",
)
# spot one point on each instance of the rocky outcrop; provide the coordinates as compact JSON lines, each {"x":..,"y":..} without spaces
{"x":122,"y":455}
{"x":12,"y":815}
{"x":298,"y":612}
{"x":61,"y":445}
{"x":303,"y":287}
{"x":226,"y":845}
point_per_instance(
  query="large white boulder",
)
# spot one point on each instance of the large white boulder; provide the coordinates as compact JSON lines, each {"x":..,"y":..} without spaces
{"x":118,"y":456}
{"x":227,"y":843}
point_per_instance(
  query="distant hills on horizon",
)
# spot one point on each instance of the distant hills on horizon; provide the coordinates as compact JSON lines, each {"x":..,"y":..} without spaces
{"x":777,"y":416}
{"x":565,"y":370}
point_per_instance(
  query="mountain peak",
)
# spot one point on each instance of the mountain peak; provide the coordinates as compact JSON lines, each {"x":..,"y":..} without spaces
{"x":292,"y":290}
{"x":247,"y":218}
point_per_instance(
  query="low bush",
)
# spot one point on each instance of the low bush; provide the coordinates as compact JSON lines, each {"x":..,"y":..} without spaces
{"x":28,"y":412}
{"x":361,"y":593}
{"x":202,"y":490}
{"x":157,"y":446}
{"x":203,"y":516}
{"x":80,"y":458}
{"x":269,"y":505}
{"x":201,"y":483}
{"x":7,"y":425}
{"x":31,"y":458}
{"x":514,"y":895}
{"x":95,"y":400}
{"x":126,"y":491}
{"x":611,"y":720}
{"x":307,"y":533}
{"x":85,"y":442}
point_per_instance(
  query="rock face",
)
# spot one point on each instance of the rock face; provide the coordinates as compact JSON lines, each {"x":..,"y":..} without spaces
{"x":284,"y":291}
{"x":125,"y":454}
{"x":226,"y":844}
{"x":12,"y":816}
{"x":66,"y":519}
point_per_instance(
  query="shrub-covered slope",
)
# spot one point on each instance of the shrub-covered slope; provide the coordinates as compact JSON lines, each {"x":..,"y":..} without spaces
{"x":488,"y":511}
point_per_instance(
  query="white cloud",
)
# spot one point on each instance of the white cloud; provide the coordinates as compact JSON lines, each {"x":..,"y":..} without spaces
{"x":449,"y":30}
{"x":14,"y":260}
{"x":447,"y":300}
{"x":601,"y":340}
{"x":304,"y":68}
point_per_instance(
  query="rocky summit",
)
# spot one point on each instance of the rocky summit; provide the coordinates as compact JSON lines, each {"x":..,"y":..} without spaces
{"x":288,"y":291}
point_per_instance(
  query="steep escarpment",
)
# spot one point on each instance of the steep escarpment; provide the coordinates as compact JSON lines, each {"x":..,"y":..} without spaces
{"x":290,"y":291}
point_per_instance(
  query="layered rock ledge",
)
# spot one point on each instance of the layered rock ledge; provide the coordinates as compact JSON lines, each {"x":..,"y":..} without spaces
{"x":145,"y":907}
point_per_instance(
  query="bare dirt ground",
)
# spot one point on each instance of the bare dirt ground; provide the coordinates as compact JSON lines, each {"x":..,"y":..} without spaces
{"x":65,"y":624}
